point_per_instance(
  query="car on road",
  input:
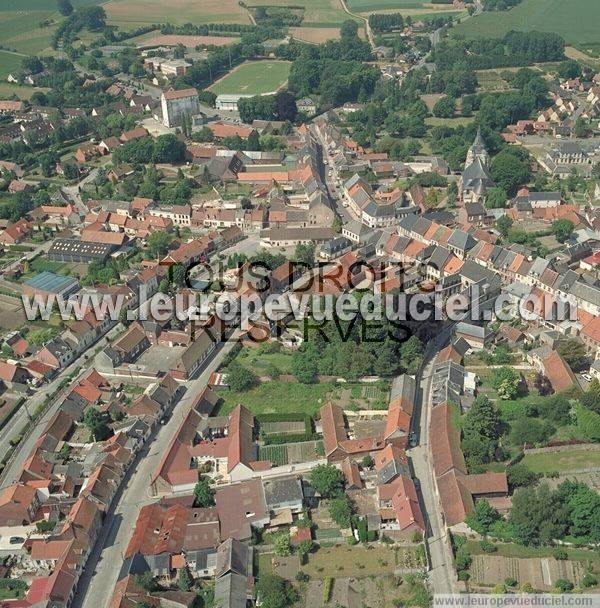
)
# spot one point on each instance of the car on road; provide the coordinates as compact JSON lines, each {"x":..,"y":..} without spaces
{"x":586,"y":377}
{"x":16,"y":540}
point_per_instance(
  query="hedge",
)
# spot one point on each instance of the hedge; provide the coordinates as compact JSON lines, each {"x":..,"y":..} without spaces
{"x":279,"y":438}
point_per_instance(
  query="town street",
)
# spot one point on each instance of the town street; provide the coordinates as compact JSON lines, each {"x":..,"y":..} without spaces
{"x":105,"y":561}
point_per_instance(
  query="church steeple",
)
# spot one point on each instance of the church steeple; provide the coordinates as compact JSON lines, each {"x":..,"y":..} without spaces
{"x":478,"y":150}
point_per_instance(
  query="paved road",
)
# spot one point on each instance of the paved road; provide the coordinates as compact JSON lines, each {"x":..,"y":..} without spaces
{"x":442,"y":575}
{"x":104,"y":564}
{"x":72,"y":192}
{"x":331,"y":179}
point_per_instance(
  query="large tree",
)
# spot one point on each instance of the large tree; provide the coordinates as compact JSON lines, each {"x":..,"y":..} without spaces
{"x":509,"y":171}
{"x":204,"y":495}
{"x":240,"y":378}
{"x":327,"y":480}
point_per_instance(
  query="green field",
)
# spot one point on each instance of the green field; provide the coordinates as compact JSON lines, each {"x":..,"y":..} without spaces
{"x":278,"y":396}
{"x":381,"y":5}
{"x":576,"y":20}
{"x":9,"y":62}
{"x":254,"y":78}
{"x":316,"y":12}
{"x":21,"y":31}
{"x":459,"y":121}
{"x":133,"y":13}
{"x":39,"y":5}
{"x":569,"y":460}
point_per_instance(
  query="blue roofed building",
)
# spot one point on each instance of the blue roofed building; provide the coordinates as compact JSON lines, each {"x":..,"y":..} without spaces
{"x":46,"y":283}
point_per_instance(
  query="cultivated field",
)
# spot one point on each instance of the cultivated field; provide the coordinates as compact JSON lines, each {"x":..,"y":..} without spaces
{"x":254,"y":78}
{"x":12,"y":316}
{"x":576,"y":21}
{"x":541,"y":572}
{"x":319,"y":12}
{"x":21,"y":31}
{"x":291,"y":453}
{"x":491,"y":80}
{"x":9,"y":62}
{"x":187,"y":41}
{"x":316,"y":35}
{"x":131,"y":13}
{"x":360,"y":6}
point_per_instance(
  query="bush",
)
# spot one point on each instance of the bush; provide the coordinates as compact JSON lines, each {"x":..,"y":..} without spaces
{"x":488,"y":547}
{"x":462,"y":560}
{"x":327,"y":585}
{"x":463,"y":575}
{"x":302,"y":577}
{"x":562,"y":584}
{"x":589,"y":580}
{"x":510,"y":582}
{"x":560,"y":554}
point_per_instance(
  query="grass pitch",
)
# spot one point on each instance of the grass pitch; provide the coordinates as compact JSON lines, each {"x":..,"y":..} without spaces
{"x":253,"y":78}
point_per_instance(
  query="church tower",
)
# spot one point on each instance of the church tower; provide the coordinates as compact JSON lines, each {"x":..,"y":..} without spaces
{"x":478,"y":151}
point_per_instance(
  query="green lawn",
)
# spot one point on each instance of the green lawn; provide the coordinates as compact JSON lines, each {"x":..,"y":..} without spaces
{"x":278,"y":396}
{"x":259,"y":362}
{"x":459,"y":121}
{"x":576,"y":20}
{"x":575,"y":459}
{"x":253,"y":78}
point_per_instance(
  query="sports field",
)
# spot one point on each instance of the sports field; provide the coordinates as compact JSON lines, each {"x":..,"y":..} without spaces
{"x":131,"y":13}
{"x":576,"y":20}
{"x":253,"y":78}
{"x":316,"y":12}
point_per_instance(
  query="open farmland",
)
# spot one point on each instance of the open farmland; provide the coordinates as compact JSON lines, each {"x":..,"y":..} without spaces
{"x":316,"y":12}
{"x":576,"y":21}
{"x":253,"y":78}
{"x":21,"y":31}
{"x":132,"y":13}
{"x":316,"y":35}
{"x":189,"y":42}
{"x":9,"y":62}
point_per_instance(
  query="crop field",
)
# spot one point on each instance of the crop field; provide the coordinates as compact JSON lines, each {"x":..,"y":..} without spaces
{"x":277,"y":454}
{"x":132,"y":13}
{"x":491,"y":80}
{"x":360,"y":6}
{"x":316,"y":35}
{"x":9,"y":62}
{"x":316,"y":12}
{"x":254,"y":78}
{"x":576,"y":21}
{"x":21,"y":31}
{"x":540,"y":572}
